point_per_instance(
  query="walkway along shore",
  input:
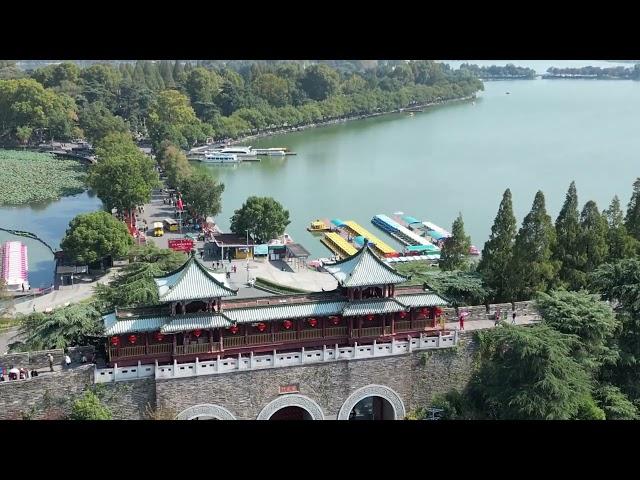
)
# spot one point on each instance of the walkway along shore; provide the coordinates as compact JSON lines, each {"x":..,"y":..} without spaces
{"x":281,"y":131}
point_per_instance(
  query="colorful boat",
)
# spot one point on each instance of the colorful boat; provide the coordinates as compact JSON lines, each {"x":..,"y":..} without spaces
{"x":319,"y":226}
{"x":380,"y":247}
{"x":338,"y":245}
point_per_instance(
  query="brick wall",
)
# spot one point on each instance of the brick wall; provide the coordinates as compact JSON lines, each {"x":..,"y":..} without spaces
{"x":31,"y":359}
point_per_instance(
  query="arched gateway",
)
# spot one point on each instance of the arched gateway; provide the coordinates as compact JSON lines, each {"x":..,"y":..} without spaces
{"x":206,"y":411}
{"x":305,"y":403}
{"x":391,"y":402}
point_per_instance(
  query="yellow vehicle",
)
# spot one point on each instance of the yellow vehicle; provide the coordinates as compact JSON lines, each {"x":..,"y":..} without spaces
{"x":157,"y":229}
{"x":170,"y":225}
{"x":318,"y":226}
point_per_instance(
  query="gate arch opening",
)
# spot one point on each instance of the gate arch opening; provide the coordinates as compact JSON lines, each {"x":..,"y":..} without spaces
{"x":373,"y":402}
{"x":206,"y":411}
{"x":291,"y":407}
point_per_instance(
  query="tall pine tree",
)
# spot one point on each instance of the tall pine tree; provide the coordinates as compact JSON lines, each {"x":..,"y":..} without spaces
{"x":593,"y":239}
{"x":178,"y":72}
{"x":632,"y":221}
{"x":621,"y":244}
{"x":533,"y":268}
{"x":498,"y":251}
{"x":138,"y":74}
{"x":456,"y":248}
{"x":566,"y":250}
{"x":167,"y":74}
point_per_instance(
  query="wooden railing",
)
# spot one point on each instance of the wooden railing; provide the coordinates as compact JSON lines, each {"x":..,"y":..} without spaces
{"x":387,"y":330}
{"x":336,"y":332}
{"x":371,"y":332}
{"x":420,"y":324}
{"x":258,"y":339}
{"x":306,"y":334}
{"x":137,"y":351}
{"x":232,"y":342}
{"x":159,"y":348}
{"x":284,"y":336}
{"x":197,"y":348}
{"x":403,"y":326}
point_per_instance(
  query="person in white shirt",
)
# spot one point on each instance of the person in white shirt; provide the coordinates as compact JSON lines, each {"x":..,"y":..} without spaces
{"x":67,"y":360}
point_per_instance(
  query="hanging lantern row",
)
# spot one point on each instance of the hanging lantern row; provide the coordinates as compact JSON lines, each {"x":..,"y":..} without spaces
{"x":287,"y":324}
{"x":335,"y":320}
{"x":313,"y":322}
{"x":197,"y":332}
{"x":403,"y":314}
{"x":234,"y":329}
{"x":159,"y":336}
{"x":370,"y":317}
{"x":132,"y":339}
{"x":262,"y":326}
{"x":115,"y":341}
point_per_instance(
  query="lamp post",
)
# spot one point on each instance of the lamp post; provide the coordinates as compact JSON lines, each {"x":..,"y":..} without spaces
{"x":247,"y":256}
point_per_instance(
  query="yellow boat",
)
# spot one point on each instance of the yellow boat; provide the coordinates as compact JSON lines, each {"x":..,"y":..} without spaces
{"x":318,"y":226}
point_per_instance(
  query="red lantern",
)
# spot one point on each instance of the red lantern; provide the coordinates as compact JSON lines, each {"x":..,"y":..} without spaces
{"x":335,"y":320}
{"x":403,"y":314}
{"x":197,"y":332}
{"x":424,"y":311}
{"x":287,"y":324}
{"x":132,"y":339}
{"x":115,"y":341}
{"x":234,"y":329}
{"x":159,"y":337}
{"x":370,"y":317}
{"x":313,"y":322}
{"x":438,"y":311}
{"x":262,"y":326}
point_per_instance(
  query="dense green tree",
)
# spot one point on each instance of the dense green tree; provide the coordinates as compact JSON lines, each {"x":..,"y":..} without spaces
{"x":530,"y":374}
{"x":320,"y":82}
{"x":54,"y":75}
{"x":272,"y":88}
{"x":592,"y":243}
{"x":93,"y":236}
{"x":9,"y":70}
{"x":97,"y":122}
{"x":174,"y":163}
{"x":138,"y":74}
{"x":89,"y":407}
{"x":632,"y":220}
{"x":566,"y":250}
{"x":124,"y":177}
{"x":134,"y":285}
{"x":172,"y":118}
{"x":455,"y":251}
{"x":585,"y":315}
{"x":621,"y":244}
{"x":203,"y":87}
{"x":75,"y":325}
{"x":166,"y":71}
{"x":178,"y":72}
{"x":616,"y":405}
{"x":101,"y":84}
{"x":134,"y":103}
{"x":23,"y":134}
{"x":264,"y":217}
{"x":203,"y":194}
{"x":498,"y":250}
{"x":533,"y":269}
{"x":6,"y":300}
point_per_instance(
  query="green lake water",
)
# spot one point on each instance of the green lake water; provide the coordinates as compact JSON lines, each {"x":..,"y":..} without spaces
{"x":449,"y":159}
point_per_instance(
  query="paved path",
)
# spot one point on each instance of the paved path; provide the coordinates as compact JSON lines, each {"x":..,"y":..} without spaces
{"x":484,"y":324}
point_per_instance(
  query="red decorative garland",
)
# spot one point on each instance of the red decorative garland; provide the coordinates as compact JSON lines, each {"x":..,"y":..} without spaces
{"x":287,"y":324}
{"x":262,"y":326}
{"x":313,"y":322}
{"x":115,"y":341}
{"x":403,"y":314}
{"x":234,"y":329}
{"x":159,"y":337}
{"x":335,"y":320}
{"x":424,"y":311}
{"x":197,"y":332}
{"x":132,"y":339}
{"x":370,"y":317}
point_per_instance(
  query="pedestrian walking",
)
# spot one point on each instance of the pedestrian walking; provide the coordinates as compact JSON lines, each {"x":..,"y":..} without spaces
{"x":50,"y":358}
{"x":513,"y":318}
{"x":497,"y":317}
{"x":67,"y":360}
{"x":461,"y":322}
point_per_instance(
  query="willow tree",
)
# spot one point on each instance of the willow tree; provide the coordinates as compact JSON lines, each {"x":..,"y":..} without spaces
{"x":566,"y":251}
{"x":533,"y":268}
{"x":498,"y":251}
{"x":456,"y":248}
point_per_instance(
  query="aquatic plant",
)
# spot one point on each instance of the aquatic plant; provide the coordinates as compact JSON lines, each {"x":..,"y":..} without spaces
{"x":31,"y":177}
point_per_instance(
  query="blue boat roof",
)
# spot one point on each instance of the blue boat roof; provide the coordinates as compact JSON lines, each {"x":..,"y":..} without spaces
{"x":436,"y":235}
{"x":409,"y":219}
{"x":337,"y":222}
{"x":261,"y":249}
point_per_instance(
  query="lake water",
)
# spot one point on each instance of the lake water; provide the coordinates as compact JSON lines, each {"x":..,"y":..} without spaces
{"x":448,"y":159}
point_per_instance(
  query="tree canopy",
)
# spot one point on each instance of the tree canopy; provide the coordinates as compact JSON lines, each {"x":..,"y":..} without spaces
{"x":89,"y":407}
{"x":202,"y":194}
{"x":264,"y":217}
{"x":93,"y":236}
{"x":455,"y":251}
{"x":566,"y":249}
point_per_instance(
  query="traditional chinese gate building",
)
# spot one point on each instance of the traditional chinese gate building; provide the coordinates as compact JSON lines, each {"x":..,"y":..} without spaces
{"x":199,"y":318}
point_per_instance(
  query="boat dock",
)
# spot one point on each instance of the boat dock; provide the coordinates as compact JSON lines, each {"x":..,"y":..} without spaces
{"x":414,"y":242}
{"x":338,"y":245}
{"x":378,"y":245}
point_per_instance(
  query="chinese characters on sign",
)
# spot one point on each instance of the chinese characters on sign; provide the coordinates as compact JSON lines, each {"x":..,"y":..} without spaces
{"x":182,"y":245}
{"x":289,"y":389}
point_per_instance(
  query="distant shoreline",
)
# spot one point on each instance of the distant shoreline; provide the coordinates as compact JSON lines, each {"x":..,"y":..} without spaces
{"x":283,"y":131}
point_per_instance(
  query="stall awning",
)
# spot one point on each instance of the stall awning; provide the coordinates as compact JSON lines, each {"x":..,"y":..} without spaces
{"x":261,"y":249}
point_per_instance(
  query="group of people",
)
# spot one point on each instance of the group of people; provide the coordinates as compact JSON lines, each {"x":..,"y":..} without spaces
{"x":17,"y":374}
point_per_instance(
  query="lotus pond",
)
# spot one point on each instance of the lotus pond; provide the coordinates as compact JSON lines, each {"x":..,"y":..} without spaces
{"x":32,"y":178}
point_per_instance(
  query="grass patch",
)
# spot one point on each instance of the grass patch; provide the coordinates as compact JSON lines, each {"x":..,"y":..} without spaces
{"x":276,"y":287}
{"x":32,"y":177}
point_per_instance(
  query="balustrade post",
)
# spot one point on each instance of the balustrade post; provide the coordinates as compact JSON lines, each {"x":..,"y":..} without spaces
{"x":393,"y":345}
{"x":239,"y":361}
{"x":324,"y":352}
{"x":337,"y":354}
{"x":439,"y":338}
{"x":409,"y":340}
{"x":302,"y":356}
{"x":251,"y":360}
{"x":355,"y":349}
{"x":175,"y":367}
{"x":138,"y":370}
{"x":274,"y":358}
{"x":374,"y":349}
{"x":115,"y":371}
{"x":197,"y":365}
{"x":455,"y":337}
{"x":218,"y":361}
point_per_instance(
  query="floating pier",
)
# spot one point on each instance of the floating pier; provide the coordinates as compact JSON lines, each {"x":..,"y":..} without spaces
{"x":378,"y":245}
{"x":414,"y":242}
{"x":338,"y":245}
